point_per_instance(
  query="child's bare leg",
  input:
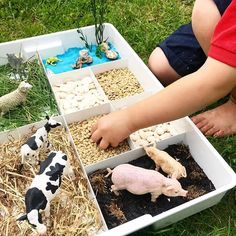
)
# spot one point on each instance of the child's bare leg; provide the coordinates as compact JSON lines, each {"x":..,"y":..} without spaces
{"x":205,"y":17}
{"x":159,"y":65}
{"x":220,"y":121}
{"x":203,"y":30}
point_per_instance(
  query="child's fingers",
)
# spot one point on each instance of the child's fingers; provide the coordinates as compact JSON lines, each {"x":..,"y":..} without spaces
{"x":103,"y":144}
{"x":96,"y":136}
{"x":94,"y":127}
{"x":114,"y":144}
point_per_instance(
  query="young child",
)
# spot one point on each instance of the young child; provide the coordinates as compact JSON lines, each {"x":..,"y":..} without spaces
{"x":184,"y":52}
{"x":204,"y":80}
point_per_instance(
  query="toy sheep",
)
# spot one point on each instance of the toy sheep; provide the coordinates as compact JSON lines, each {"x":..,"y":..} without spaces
{"x":140,"y":181}
{"x":167,"y":163}
{"x":44,"y":188}
{"x":39,"y":140}
{"x":14,"y":98}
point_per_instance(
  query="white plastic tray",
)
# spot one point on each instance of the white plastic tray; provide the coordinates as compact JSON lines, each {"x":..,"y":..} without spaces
{"x":214,"y":166}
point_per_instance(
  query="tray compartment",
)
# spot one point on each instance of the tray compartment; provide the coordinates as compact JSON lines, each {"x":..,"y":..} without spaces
{"x":80,"y":124}
{"x":77,"y":90}
{"x":74,"y":201}
{"x":222,"y":183}
{"x":123,"y":78}
{"x":148,"y":136}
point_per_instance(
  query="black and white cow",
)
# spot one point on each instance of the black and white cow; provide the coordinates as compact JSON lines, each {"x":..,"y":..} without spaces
{"x":44,"y":188}
{"x":39,"y":140}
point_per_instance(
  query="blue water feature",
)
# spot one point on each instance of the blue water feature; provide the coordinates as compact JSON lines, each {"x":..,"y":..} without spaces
{"x":69,"y":58}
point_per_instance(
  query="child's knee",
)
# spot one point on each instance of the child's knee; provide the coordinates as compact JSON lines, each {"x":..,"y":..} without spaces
{"x":155,"y":61}
{"x":160,"y":67}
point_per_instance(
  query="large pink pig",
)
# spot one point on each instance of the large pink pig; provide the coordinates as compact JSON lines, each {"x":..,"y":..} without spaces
{"x":140,"y":181}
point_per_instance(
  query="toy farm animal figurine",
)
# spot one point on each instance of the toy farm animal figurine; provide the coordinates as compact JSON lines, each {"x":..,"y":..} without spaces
{"x":39,"y":140}
{"x":52,"y":61}
{"x":167,"y":163}
{"x":16,"y":62}
{"x":14,"y":98}
{"x":44,"y":188}
{"x":84,"y":58}
{"x":18,"y":65}
{"x":140,"y":181}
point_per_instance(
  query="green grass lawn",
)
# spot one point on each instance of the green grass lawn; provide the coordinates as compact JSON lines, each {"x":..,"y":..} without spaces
{"x":143,"y":23}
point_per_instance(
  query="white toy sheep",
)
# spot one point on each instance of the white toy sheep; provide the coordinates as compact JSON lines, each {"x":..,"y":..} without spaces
{"x":14,"y":98}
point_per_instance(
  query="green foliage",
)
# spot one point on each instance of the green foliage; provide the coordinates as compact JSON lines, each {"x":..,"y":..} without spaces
{"x":84,"y":39}
{"x":144,"y":24}
{"x":98,"y":51}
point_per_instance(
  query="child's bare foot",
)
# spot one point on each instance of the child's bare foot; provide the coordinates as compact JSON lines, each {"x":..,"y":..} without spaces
{"x":218,"y":122}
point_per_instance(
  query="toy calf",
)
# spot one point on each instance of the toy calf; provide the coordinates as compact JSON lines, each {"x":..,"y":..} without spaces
{"x":167,"y":163}
{"x":39,"y":140}
{"x":44,"y":188}
{"x":140,"y":181}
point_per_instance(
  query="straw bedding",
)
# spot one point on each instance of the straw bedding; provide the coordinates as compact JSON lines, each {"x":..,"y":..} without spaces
{"x":73,"y":211}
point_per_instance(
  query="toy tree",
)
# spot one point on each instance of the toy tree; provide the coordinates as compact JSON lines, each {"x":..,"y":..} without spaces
{"x":98,"y":10}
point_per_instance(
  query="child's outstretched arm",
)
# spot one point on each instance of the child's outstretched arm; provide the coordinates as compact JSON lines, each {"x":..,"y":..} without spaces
{"x":211,"y":82}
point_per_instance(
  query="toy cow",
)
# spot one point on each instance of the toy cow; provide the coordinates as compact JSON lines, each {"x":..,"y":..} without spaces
{"x":140,"y":181}
{"x":44,"y":188}
{"x":167,"y":163}
{"x":39,"y":140}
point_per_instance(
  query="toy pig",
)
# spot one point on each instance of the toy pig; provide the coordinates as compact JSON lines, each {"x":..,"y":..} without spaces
{"x":140,"y":181}
{"x":167,"y":163}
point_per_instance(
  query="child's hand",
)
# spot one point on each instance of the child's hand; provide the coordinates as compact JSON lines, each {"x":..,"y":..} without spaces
{"x":112,"y":129}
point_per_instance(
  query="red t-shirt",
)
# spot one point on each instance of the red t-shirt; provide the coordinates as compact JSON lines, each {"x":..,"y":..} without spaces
{"x":223,"y":43}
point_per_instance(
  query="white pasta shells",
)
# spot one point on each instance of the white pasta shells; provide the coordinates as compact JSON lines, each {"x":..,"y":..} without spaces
{"x":150,"y":135}
{"x":77,"y":95}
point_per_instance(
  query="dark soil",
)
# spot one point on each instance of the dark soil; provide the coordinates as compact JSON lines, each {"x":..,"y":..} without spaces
{"x":125,"y":207}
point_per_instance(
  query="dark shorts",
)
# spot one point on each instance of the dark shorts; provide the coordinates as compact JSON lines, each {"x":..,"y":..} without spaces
{"x":182,"y":49}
